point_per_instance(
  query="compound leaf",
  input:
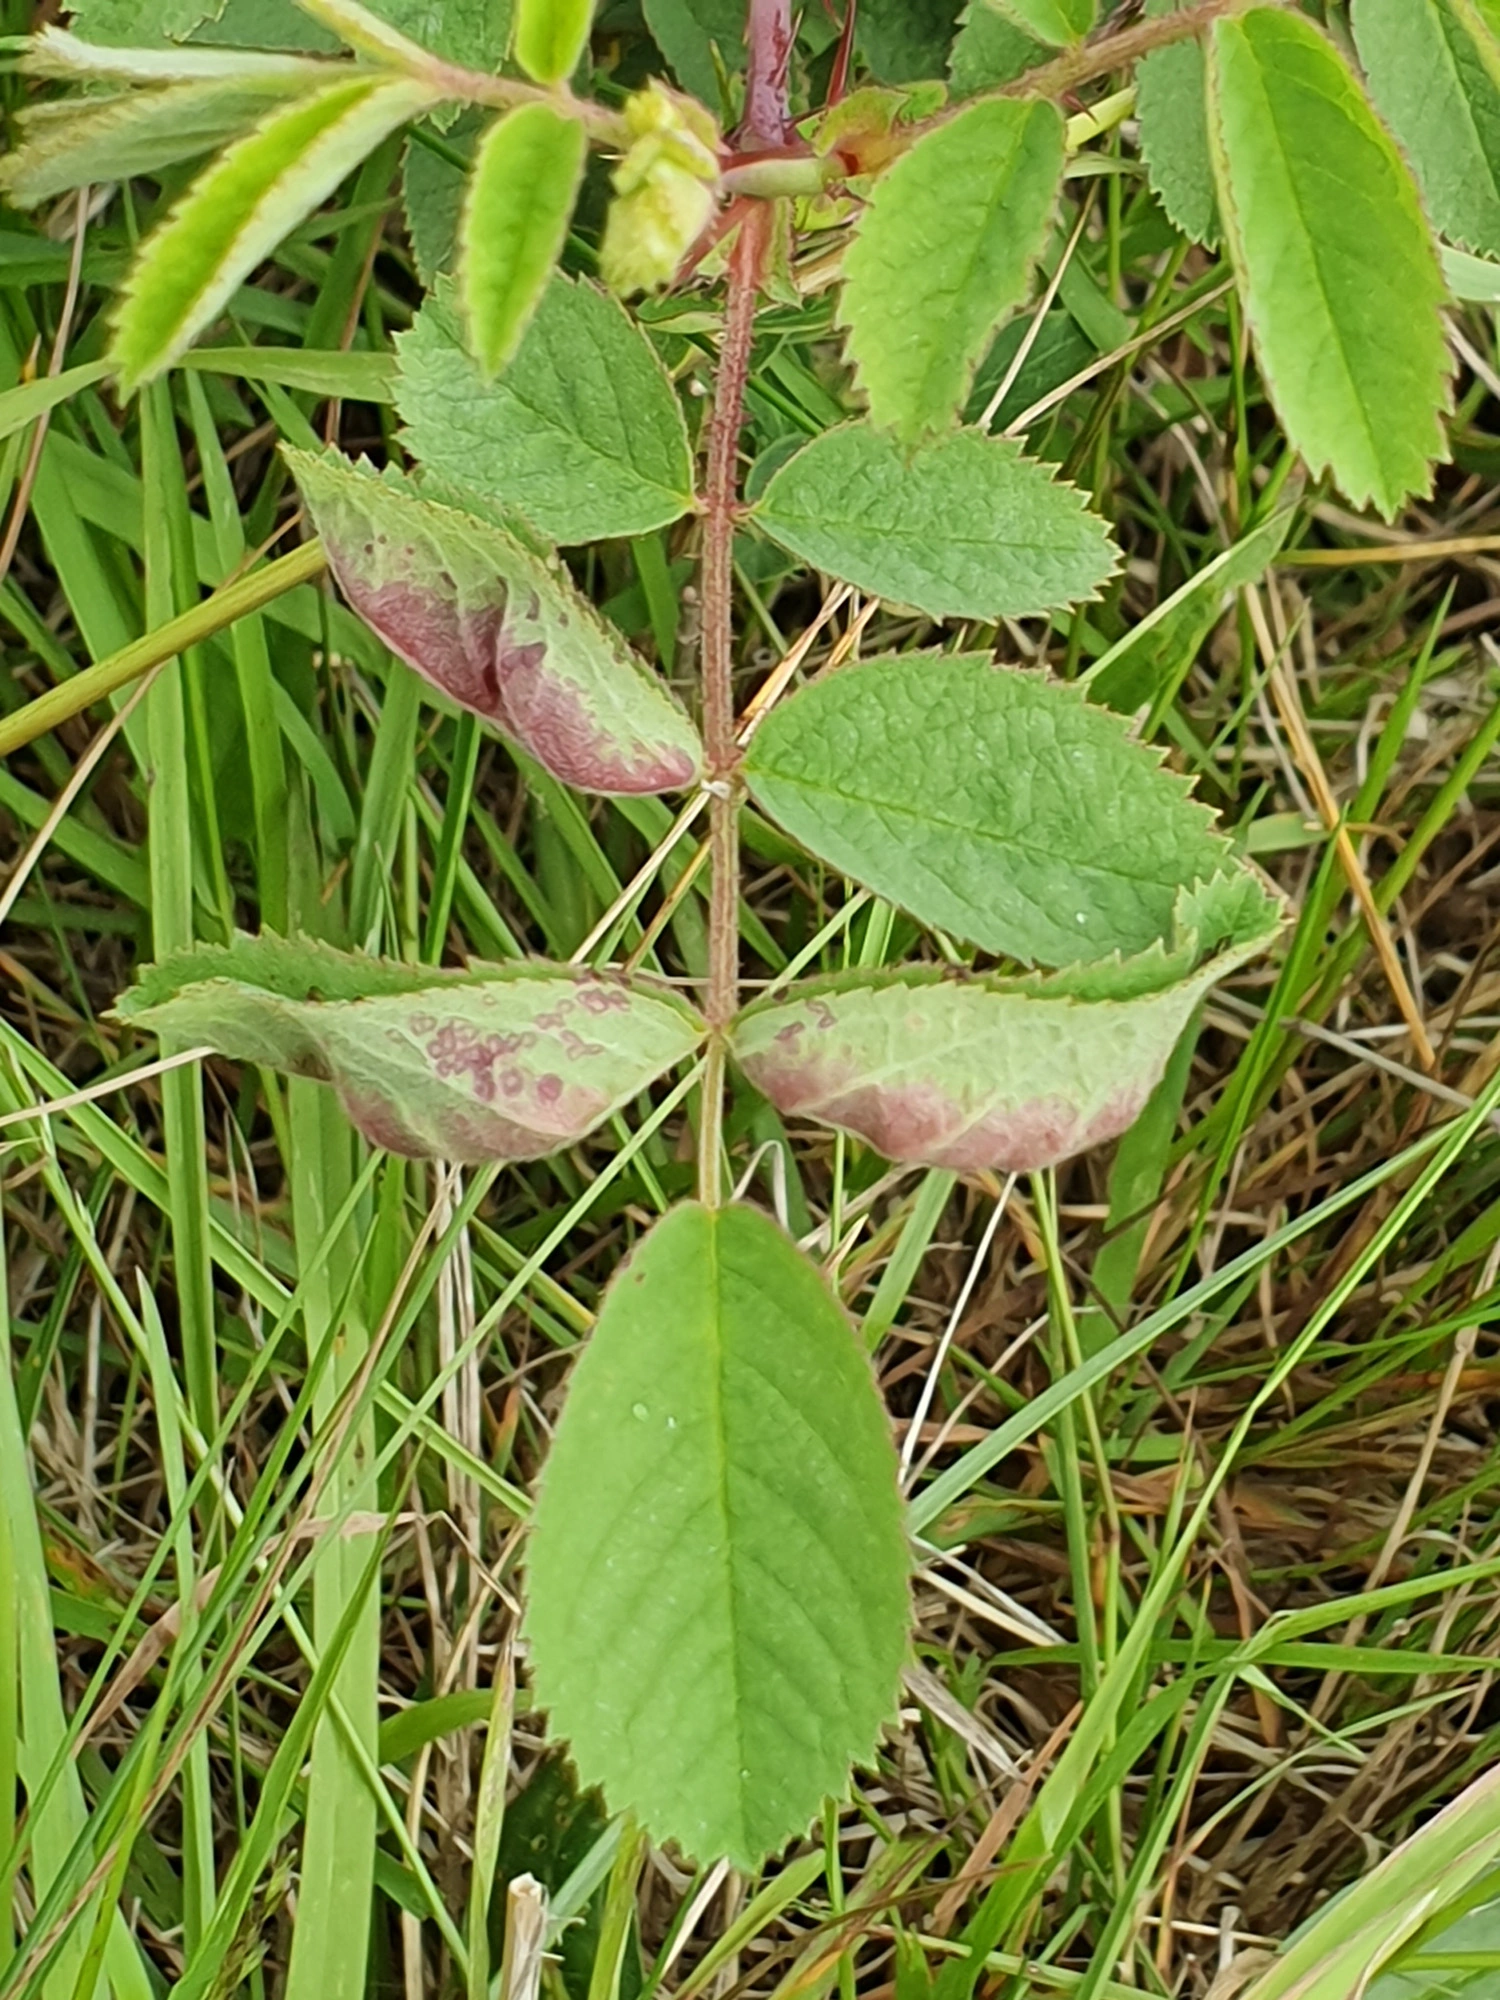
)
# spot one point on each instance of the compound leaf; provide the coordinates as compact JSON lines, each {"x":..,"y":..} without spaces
{"x":1055,"y":21}
{"x":498,"y":628}
{"x":944,"y":254}
{"x":966,"y":527}
{"x":996,"y":804}
{"x":583,"y":433}
{"x":498,"y":1062}
{"x":521,"y":196}
{"x":1170,"y":94}
{"x":718,"y":1602}
{"x":1340,"y":276}
{"x":237,"y":212}
{"x":550,"y":36}
{"x":969,"y":1073}
{"x":1430,"y":80}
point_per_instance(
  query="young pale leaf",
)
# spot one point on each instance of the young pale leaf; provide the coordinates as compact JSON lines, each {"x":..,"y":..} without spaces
{"x":1055,"y":21}
{"x":77,"y":141}
{"x":583,"y":433}
{"x":1340,"y":276}
{"x":959,"y":529}
{"x":968,"y":1074}
{"x":498,"y":629}
{"x":54,"y":52}
{"x":717,"y":1563}
{"x":521,"y":196}
{"x":996,"y":804}
{"x":500,"y":1062}
{"x":238,"y":211}
{"x":1170,"y":92}
{"x":551,"y":35}
{"x":963,"y":528}
{"x":1431,"y":84}
{"x":944,"y":254}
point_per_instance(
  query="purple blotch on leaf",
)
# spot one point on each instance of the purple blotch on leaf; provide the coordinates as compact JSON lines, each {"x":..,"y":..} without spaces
{"x":921,"y":1124}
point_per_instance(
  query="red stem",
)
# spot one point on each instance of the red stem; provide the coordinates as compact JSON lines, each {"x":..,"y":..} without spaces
{"x":722,"y":998}
{"x":768,"y":37}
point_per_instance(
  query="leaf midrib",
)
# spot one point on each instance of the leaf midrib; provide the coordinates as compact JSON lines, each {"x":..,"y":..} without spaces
{"x":926,"y":818}
{"x":1309,"y":240}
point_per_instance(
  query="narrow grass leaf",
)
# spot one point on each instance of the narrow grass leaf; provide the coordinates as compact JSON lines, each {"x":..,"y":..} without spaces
{"x":966,"y":527}
{"x":521,"y":195}
{"x":1433,"y":87}
{"x":238,"y":211}
{"x":717,"y":1565}
{"x":499,"y":629}
{"x":583,"y":433}
{"x":944,"y":254}
{"x":551,"y":36}
{"x":1147,"y":666}
{"x":1339,"y":272}
{"x":994,"y":803}
{"x":937,"y":1071}
{"x":1354,"y":1935}
{"x":505,"y":1062}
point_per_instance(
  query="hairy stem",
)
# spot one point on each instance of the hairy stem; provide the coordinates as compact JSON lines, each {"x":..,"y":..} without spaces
{"x":1091,"y":60}
{"x":722,"y":998}
{"x":768,"y":37}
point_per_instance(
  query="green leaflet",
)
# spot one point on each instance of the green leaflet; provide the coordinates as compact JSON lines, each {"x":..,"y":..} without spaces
{"x":433,"y":192}
{"x":905,"y":41}
{"x":1170,"y":89}
{"x":497,"y":628}
{"x":937,"y":1071}
{"x":521,"y":196}
{"x":398,"y":33}
{"x":1056,"y":21}
{"x":239,"y":210}
{"x":994,"y":803}
{"x":1339,"y":273}
{"x":583,"y":433}
{"x":717,"y":1563}
{"x":944,"y":254}
{"x":688,"y":31}
{"x":70,"y":143}
{"x":551,"y":35}
{"x":989,"y":51}
{"x":963,"y":528}
{"x":499,"y":1062}
{"x":1432,"y":86}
